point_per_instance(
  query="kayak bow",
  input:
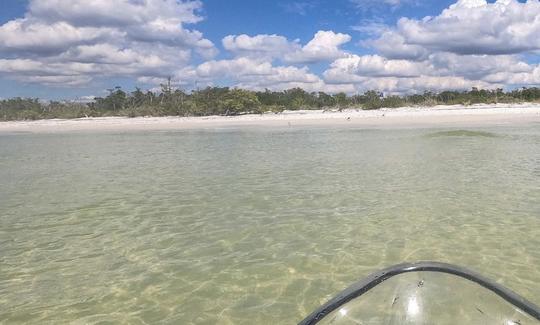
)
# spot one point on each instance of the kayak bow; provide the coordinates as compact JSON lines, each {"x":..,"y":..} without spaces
{"x":426,"y":293}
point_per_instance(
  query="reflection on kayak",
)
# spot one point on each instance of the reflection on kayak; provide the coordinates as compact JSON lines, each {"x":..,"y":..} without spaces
{"x":426,"y":293}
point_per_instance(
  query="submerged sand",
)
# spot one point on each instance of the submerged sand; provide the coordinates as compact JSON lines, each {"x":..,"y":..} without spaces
{"x":476,"y":115}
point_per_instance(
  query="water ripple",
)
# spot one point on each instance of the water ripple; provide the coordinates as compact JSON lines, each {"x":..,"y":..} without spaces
{"x":244,"y":227}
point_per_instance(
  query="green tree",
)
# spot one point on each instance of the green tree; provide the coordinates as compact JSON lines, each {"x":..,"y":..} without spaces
{"x":239,"y":101}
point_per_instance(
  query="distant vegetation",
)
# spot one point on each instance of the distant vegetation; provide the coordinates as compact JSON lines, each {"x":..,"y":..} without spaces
{"x":232,"y":101}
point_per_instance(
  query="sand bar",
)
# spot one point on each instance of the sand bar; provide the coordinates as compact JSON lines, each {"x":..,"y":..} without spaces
{"x":408,"y":117}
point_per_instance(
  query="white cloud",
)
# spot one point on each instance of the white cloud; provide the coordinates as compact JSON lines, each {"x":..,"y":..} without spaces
{"x":266,"y":46}
{"x":525,"y":78}
{"x":257,"y":74}
{"x":248,"y":69}
{"x":393,"y":46}
{"x":468,"y":27}
{"x":377,"y":66}
{"x":439,"y":71}
{"x":254,"y":56}
{"x":71,"y":74}
{"x":118,"y":13}
{"x":325,"y":46}
{"x":477,"y":66}
{"x":31,"y":36}
{"x":130,"y":38}
{"x":471,"y":43}
{"x":392,"y":85}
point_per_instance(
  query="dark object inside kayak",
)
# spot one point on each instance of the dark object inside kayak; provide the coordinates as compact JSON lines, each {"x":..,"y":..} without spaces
{"x":426,"y":293}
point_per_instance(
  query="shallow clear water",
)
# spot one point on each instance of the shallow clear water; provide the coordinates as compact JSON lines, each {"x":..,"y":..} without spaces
{"x":250,"y":226}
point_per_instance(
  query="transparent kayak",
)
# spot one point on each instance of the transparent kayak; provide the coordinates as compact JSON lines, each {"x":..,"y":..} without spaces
{"x":426,"y":293}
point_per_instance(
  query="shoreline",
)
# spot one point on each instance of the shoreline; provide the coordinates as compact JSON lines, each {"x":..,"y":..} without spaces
{"x":406,"y":117}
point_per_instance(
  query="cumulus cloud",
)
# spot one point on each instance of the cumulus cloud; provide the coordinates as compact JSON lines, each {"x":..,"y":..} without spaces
{"x":71,"y":74}
{"x":394,"y":46}
{"x":531,"y":78}
{"x":253,"y":65}
{"x":119,"y":13}
{"x":477,"y":66}
{"x":258,"y":74}
{"x":458,"y":49}
{"x":377,"y":66}
{"x":266,"y":46}
{"x":325,"y":46}
{"x":255,"y":72}
{"x":400,"y":86}
{"x":468,"y":27}
{"x":31,"y":36}
{"x":439,"y":71}
{"x":131,"y":38}
{"x":472,"y":43}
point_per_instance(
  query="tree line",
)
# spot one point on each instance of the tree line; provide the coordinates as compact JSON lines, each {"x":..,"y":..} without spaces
{"x":234,"y":101}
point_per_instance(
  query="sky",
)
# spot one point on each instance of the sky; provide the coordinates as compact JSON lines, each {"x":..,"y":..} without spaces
{"x":69,"y":49}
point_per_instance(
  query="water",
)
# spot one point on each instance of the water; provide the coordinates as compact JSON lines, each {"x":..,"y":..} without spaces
{"x":247,"y":226}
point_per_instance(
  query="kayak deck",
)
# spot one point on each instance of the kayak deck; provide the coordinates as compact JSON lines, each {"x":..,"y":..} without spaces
{"x":426,"y":293}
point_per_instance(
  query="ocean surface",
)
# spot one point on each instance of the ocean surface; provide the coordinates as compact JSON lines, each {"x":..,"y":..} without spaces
{"x":254,"y":226}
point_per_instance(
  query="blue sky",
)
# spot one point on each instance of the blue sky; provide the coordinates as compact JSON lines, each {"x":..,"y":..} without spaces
{"x":300,"y":19}
{"x":69,"y":48}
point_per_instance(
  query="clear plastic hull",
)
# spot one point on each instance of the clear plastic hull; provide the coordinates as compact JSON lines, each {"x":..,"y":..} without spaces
{"x":426,"y":293}
{"x":429,"y":298}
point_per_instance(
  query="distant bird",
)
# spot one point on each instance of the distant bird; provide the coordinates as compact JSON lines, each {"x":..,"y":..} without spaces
{"x":348,"y":118}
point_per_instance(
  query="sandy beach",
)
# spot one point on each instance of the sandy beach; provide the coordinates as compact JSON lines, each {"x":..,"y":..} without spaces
{"x":407,"y":117}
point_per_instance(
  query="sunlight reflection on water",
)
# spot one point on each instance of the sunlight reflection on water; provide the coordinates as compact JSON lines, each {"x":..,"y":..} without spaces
{"x":248,"y":226}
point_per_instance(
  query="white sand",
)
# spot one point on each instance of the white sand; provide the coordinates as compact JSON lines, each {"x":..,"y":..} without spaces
{"x":410,"y":117}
